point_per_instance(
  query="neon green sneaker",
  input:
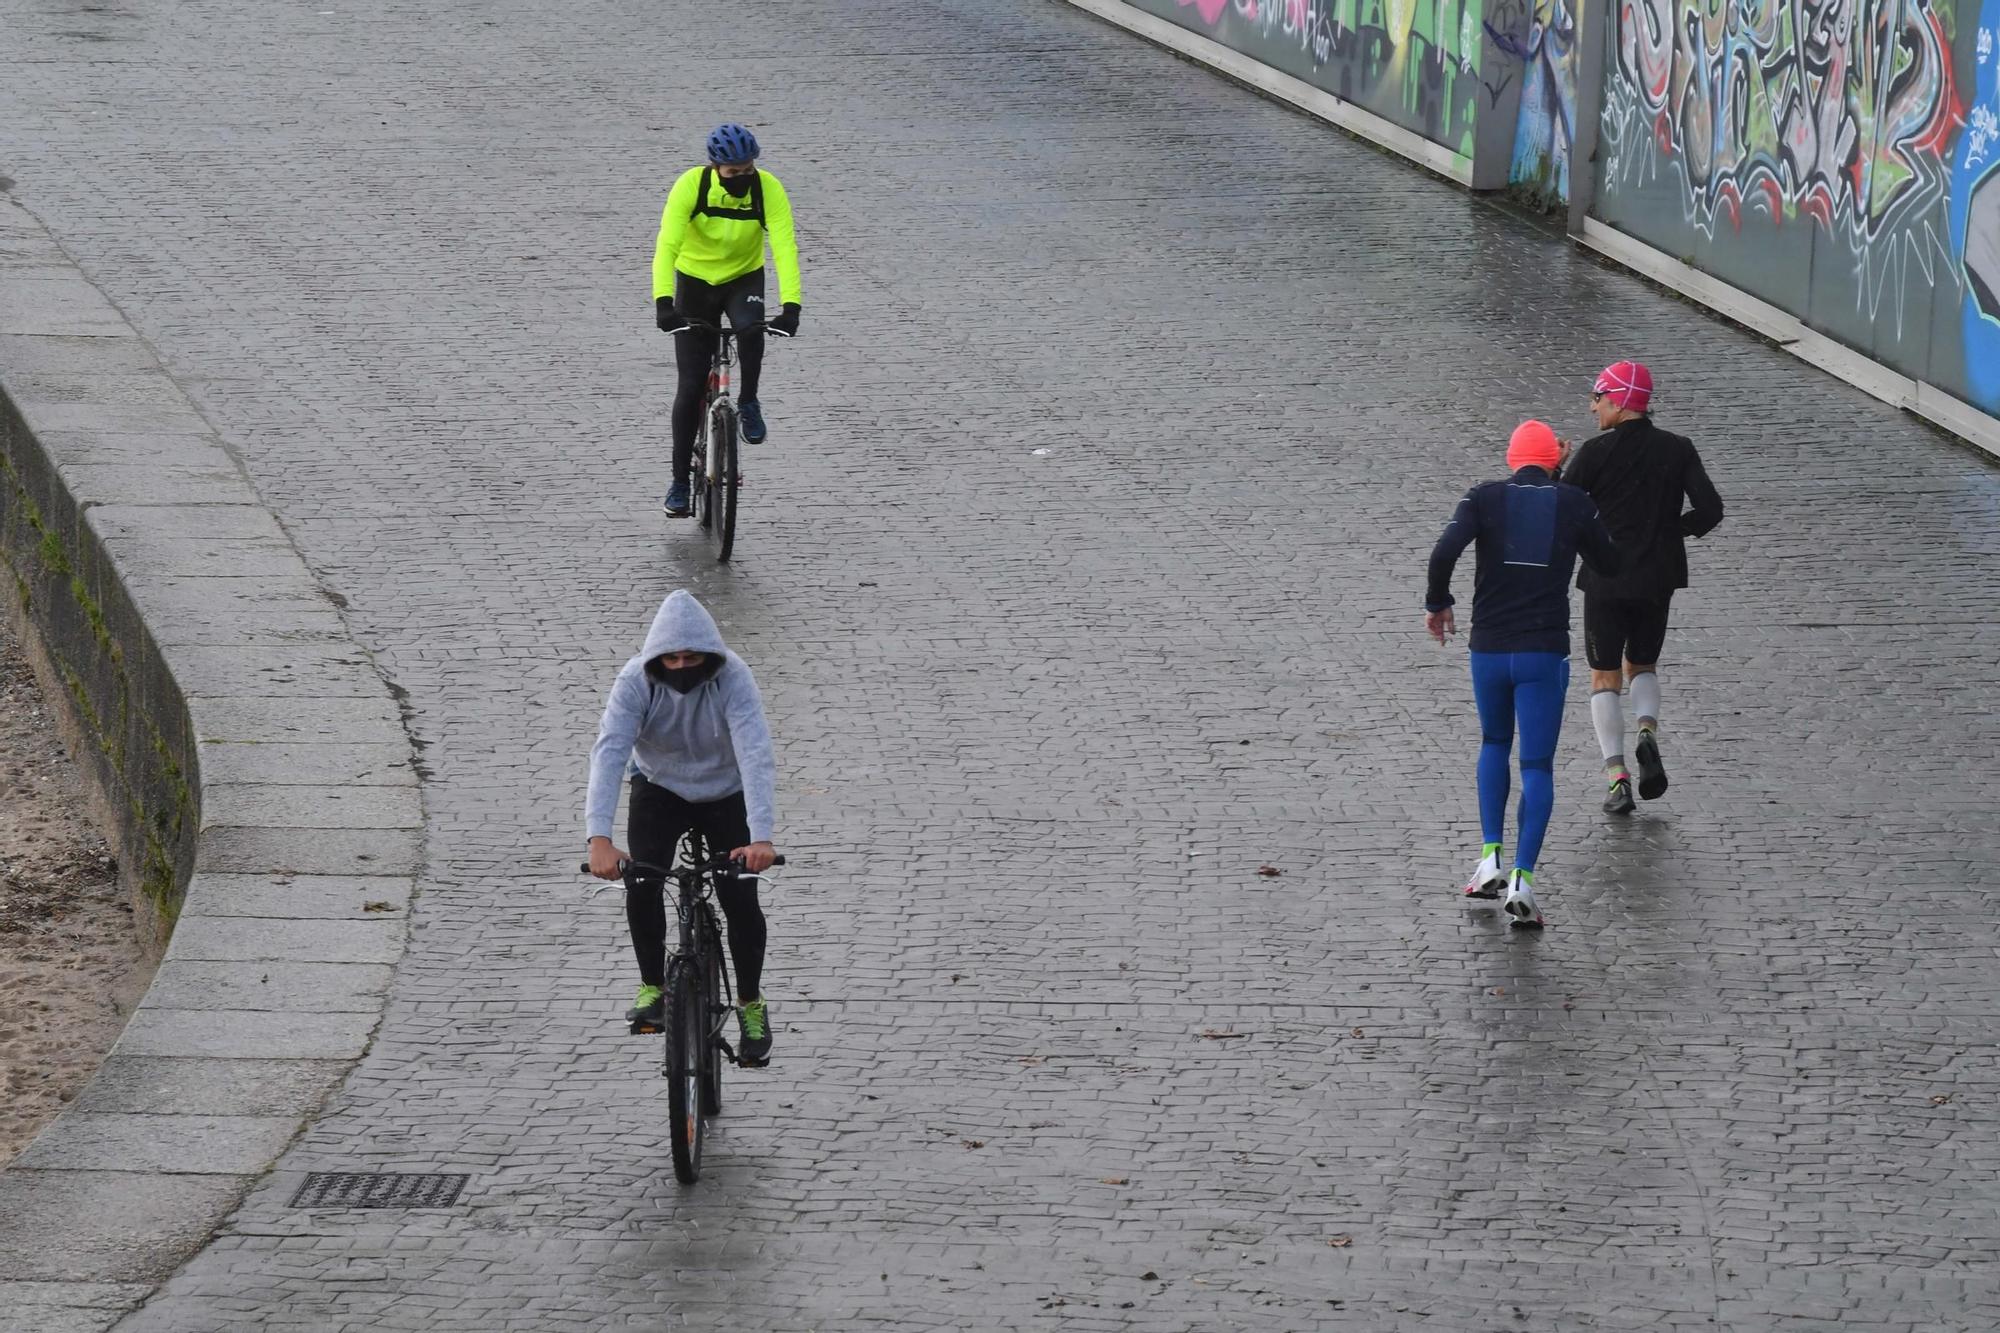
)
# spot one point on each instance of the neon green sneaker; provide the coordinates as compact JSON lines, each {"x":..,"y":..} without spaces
{"x":755,"y":1026}
{"x":649,"y":1008}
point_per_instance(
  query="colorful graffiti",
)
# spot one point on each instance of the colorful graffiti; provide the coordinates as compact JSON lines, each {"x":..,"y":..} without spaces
{"x":1541,"y":36}
{"x":1413,"y":62}
{"x":1304,"y":23}
{"x":1837,"y":111}
{"x":1975,"y":214}
{"x":1834,"y":157}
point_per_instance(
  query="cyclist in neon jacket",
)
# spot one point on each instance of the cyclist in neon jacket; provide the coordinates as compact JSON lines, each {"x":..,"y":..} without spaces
{"x":708,"y":261}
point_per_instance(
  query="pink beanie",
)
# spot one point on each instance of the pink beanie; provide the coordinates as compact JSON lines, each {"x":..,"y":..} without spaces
{"x":1533,"y":445}
{"x":1627,"y":384}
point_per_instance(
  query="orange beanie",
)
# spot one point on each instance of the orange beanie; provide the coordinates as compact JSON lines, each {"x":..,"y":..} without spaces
{"x":1533,"y":444}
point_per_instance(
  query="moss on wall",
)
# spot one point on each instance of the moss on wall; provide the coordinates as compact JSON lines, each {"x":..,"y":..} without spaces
{"x":144,"y":765}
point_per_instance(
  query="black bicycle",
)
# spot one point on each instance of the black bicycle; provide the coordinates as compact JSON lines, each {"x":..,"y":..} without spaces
{"x":717,"y":474}
{"x":699,"y":997}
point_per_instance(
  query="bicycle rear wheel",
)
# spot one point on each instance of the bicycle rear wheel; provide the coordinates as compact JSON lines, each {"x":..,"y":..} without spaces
{"x":722,"y":479}
{"x":687,"y":1040}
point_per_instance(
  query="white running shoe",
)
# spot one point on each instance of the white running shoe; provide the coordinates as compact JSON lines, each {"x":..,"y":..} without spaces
{"x":1520,"y":904}
{"x":1487,"y":879}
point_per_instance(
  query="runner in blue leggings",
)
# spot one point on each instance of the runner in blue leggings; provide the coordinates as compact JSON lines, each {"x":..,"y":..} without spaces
{"x":1530,"y":529}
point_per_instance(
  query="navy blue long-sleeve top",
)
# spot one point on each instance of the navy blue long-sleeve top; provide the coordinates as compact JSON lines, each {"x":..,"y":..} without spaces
{"x":1530,"y":529}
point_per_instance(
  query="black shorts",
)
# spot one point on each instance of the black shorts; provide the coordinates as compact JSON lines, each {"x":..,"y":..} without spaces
{"x":1617,"y":630}
{"x":741,"y":298}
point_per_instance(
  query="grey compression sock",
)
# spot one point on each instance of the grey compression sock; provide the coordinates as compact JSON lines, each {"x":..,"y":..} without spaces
{"x":1646,"y":698}
{"x":1609,"y":719}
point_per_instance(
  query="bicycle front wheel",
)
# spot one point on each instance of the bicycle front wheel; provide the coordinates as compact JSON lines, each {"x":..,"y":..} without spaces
{"x":687,"y":1042}
{"x":718,"y":1014}
{"x":722,"y":479}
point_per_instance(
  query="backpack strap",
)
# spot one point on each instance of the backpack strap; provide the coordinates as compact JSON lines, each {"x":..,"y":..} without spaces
{"x":755,"y":213}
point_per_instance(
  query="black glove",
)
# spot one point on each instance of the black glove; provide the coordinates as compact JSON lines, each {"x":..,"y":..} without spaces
{"x":787,"y":322}
{"x":664,"y":316}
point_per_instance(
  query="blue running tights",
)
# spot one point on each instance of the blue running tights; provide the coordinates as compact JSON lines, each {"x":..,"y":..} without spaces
{"x":1524,"y":690}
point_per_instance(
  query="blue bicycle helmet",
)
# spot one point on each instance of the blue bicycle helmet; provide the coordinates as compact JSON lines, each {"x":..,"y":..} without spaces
{"x":730,"y":145}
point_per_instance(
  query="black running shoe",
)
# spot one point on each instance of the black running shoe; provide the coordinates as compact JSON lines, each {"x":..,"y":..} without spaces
{"x":1652,"y":773}
{"x":1619,"y":800}
{"x":751,"y":414}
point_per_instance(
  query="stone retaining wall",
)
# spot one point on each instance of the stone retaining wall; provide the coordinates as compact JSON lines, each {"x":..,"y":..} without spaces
{"x":254,"y":762}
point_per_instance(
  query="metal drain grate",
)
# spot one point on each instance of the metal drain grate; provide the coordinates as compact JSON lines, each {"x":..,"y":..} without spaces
{"x":335,"y":1189}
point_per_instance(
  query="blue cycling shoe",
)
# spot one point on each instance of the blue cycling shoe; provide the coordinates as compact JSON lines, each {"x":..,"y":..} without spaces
{"x":753,"y":420}
{"x":676,"y":503}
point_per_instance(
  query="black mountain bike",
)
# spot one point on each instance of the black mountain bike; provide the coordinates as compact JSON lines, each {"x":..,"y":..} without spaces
{"x":717,"y":475}
{"x":699,"y":997}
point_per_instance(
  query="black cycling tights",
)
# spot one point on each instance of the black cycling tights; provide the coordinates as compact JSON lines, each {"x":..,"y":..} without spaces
{"x":658,"y":819}
{"x":742,"y":299}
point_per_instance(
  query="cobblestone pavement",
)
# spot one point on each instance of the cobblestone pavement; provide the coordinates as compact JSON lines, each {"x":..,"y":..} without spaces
{"x":1042,"y":717}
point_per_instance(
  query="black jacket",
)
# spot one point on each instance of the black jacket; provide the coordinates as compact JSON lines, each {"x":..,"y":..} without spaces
{"x":1529,"y":530}
{"x":1638,"y":475}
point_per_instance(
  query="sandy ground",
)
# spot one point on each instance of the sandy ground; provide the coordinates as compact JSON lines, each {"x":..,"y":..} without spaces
{"x":72,"y":963}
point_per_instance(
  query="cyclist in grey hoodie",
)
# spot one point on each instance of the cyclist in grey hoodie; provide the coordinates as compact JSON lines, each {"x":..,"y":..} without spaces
{"x":685,"y":724}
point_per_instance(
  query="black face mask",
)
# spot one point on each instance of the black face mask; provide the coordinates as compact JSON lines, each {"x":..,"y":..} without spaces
{"x":738,"y":185}
{"x":682,"y":679}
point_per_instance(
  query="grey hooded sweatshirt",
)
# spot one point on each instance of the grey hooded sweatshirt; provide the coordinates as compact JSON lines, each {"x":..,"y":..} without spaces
{"x":704,"y":745}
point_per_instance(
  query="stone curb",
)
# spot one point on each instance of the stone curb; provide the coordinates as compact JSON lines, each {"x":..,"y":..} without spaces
{"x":255,"y":761}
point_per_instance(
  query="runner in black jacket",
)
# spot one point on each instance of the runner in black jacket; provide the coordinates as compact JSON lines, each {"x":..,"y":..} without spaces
{"x":1639,"y":475}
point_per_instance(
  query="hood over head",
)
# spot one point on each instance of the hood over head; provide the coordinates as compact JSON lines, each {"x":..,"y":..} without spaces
{"x":683,"y":625}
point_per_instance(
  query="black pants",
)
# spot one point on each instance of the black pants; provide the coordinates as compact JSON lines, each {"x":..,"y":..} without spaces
{"x":658,"y":819}
{"x":742,"y":299}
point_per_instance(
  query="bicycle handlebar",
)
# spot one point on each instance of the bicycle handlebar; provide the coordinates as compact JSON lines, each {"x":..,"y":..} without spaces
{"x":719,"y":863}
{"x":761,"y":326}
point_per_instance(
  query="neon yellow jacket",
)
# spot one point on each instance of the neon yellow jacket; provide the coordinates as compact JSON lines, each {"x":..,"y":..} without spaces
{"x":717,"y":249}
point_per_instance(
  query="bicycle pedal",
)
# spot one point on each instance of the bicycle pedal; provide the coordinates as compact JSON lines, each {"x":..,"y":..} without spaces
{"x":743,"y":1062}
{"x":646,"y":1029}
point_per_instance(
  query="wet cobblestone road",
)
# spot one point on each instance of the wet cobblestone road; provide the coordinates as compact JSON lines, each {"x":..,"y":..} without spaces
{"x":1042,"y":716}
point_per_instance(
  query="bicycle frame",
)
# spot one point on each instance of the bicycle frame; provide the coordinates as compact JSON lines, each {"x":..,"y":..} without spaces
{"x":699,"y":994}
{"x":718,"y":369}
{"x":694,"y":881}
{"x":725,"y":357}
{"x":695,"y":912}
{"x":717,"y":446}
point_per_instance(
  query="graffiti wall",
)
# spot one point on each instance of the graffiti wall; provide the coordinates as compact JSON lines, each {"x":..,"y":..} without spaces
{"x":1412,"y":62}
{"x":1539,"y":37}
{"x":1833,"y":157}
{"x":1975,"y":216}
